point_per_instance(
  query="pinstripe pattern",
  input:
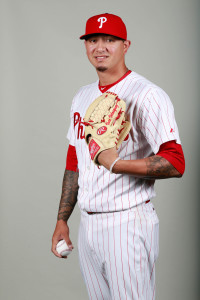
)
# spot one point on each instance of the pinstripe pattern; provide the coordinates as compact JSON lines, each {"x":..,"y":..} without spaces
{"x":117,"y":253}
{"x":118,"y":247}
{"x":152,"y":117}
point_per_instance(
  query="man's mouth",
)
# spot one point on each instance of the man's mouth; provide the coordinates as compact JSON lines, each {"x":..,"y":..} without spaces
{"x":101,"y":57}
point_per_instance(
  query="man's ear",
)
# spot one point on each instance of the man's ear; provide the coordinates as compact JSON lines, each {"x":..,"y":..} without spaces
{"x":127,"y":44}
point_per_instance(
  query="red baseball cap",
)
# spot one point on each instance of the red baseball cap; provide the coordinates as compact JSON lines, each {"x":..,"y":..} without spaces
{"x":106,"y":24}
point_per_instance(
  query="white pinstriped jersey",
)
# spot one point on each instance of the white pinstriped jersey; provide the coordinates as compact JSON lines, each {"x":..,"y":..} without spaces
{"x":151,"y":114}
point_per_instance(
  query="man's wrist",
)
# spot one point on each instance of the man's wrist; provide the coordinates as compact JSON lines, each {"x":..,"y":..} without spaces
{"x":62,"y":218}
{"x":112,"y":165}
{"x":60,"y":221}
{"x":117,"y":167}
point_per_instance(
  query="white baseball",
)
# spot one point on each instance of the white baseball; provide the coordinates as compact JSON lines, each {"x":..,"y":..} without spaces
{"x":62,"y":248}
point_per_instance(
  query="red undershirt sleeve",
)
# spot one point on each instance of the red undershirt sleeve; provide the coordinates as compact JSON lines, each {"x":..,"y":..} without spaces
{"x":173,"y":152}
{"x":71,"y":160}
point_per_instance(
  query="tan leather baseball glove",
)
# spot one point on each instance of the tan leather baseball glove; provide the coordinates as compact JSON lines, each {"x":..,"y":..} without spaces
{"x":105,"y":124}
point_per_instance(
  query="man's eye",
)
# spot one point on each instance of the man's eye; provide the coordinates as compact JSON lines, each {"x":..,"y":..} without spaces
{"x":92,"y":41}
{"x":110,"y":40}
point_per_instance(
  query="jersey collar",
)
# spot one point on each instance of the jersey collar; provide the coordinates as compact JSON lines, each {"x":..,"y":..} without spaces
{"x":104,"y":88}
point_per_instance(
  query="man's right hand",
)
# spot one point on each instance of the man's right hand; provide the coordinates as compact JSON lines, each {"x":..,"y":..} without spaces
{"x":61,"y":232}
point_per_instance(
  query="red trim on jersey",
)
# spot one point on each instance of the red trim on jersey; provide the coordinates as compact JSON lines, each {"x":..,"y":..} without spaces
{"x":104,"y":88}
{"x":173,"y":152}
{"x":71,"y":160}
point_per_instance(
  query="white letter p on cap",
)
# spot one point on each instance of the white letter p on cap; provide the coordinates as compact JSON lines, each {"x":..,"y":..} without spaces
{"x":102,"y":20}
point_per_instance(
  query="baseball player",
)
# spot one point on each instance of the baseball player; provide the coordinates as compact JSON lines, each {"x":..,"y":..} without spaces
{"x":119,"y":229}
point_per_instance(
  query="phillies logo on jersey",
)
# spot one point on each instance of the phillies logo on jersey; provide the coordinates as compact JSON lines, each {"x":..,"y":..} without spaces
{"x":101,"y":130}
{"x":102,"y":20}
{"x":78,"y":122}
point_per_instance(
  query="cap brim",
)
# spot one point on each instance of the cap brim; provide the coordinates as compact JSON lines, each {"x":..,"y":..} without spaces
{"x":82,"y":37}
{"x":86,"y":36}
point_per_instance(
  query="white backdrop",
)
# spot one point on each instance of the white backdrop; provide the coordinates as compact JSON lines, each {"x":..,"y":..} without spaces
{"x":42,"y":65}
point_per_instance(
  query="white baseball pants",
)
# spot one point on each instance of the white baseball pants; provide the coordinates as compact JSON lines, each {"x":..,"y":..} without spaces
{"x":118,"y":251}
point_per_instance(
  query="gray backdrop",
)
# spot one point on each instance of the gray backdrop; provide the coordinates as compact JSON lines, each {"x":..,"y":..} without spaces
{"x":42,"y":64}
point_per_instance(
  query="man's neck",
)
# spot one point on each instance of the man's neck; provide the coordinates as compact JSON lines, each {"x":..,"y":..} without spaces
{"x":109,"y":77}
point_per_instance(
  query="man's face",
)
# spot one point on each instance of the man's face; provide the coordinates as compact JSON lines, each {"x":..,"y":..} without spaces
{"x":106,"y":52}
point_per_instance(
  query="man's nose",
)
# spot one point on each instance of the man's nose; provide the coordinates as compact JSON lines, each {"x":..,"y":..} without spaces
{"x":100,"y":45}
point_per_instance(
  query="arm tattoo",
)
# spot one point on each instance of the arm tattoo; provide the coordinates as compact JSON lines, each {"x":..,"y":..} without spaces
{"x":159,"y":168}
{"x":69,"y":195}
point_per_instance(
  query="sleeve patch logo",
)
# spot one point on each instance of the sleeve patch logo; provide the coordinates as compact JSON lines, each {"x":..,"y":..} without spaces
{"x":101,"y":130}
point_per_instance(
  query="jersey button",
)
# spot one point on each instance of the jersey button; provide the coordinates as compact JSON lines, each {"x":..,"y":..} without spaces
{"x":88,"y":167}
{"x":86,"y":189}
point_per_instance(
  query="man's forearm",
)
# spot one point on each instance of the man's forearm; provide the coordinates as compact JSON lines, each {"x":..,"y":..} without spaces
{"x":154,"y":167}
{"x":69,"y":195}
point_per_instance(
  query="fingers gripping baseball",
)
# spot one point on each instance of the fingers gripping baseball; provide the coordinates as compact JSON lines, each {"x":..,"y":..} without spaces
{"x":105,"y":125}
{"x":61,"y":233}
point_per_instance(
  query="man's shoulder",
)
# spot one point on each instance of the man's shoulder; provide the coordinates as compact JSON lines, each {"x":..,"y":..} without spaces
{"x":87,"y":88}
{"x":143,"y":81}
{"x":144,"y":87}
{"x":84,"y":94}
